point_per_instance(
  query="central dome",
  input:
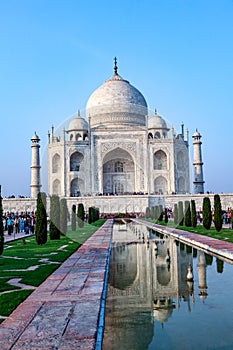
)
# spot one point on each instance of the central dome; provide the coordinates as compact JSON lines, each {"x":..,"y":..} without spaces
{"x":116,"y":103}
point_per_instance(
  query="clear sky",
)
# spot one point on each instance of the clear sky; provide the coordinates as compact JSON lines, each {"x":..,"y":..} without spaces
{"x":55,"y":53}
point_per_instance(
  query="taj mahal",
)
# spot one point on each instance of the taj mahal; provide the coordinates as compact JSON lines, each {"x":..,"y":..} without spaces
{"x":118,"y":155}
{"x":119,"y":148}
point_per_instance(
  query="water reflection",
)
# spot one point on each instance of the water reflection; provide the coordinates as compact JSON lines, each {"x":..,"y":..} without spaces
{"x":147,"y":282}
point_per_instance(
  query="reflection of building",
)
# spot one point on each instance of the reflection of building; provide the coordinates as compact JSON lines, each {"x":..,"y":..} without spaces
{"x":118,"y":147}
{"x":148,"y":276}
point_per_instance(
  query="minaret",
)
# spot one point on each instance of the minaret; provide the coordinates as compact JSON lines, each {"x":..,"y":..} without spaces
{"x":198,"y":164}
{"x":35,"y":167}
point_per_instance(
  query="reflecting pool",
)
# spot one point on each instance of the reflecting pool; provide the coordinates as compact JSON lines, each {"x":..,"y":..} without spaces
{"x":151,"y":305}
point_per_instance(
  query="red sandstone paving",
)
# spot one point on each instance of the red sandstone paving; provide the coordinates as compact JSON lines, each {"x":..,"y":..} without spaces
{"x":62,"y":313}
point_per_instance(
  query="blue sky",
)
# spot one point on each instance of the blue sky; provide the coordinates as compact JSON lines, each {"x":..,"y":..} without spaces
{"x":55,"y":53}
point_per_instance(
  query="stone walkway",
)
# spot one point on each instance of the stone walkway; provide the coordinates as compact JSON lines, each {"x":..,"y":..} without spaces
{"x":219,"y":248}
{"x":63,"y":312}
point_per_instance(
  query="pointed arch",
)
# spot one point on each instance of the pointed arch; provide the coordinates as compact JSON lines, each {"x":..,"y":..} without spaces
{"x":76,"y":187}
{"x":160,"y":160}
{"x":57,"y":187}
{"x":181,"y":185}
{"x":180,"y":161}
{"x":160,"y":185}
{"x":76,"y":159}
{"x":56,"y":162}
{"x":118,"y":172}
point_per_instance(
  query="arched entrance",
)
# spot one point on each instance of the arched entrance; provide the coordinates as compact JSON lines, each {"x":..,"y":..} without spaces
{"x":118,"y":172}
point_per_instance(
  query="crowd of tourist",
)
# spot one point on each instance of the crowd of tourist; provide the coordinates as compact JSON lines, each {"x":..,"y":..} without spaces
{"x":14,"y":223}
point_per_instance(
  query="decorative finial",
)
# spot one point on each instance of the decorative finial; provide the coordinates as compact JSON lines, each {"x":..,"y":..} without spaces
{"x":155,"y":111}
{"x":115,"y":66}
{"x":78,"y":113}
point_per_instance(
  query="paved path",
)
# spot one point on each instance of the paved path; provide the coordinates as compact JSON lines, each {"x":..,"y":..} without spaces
{"x":219,"y":248}
{"x":63,"y":312}
{"x":15,"y":236}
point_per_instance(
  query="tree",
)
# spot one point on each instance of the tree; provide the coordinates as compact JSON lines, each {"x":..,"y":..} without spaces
{"x":165,"y":216}
{"x":147,"y":212}
{"x":207,"y":214}
{"x":80,"y":215}
{"x":152,"y":213}
{"x":90,"y":215}
{"x":63,"y":215}
{"x":175,"y":214}
{"x":73,"y":218}
{"x":160,"y":212}
{"x":93,"y":215}
{"x":41,"y":219}
{"x":187,"y":215}
{"x":54,"y":226}
{"x":193,"y":213}
{"x":180,"y":213}
{"x":218,"y":220}
{"x":1,"y":226}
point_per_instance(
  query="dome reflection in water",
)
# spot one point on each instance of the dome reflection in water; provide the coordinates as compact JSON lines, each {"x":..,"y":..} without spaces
{"x":151,"y":304}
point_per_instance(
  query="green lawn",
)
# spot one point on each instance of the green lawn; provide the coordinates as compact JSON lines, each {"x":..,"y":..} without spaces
{"x":31,"y":263}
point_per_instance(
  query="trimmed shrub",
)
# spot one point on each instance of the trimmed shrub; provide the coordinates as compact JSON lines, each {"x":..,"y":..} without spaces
{"x":218,"y":220}
{"x":175,"y":214}
{"x":193,"y":213}
{"x":160,"y":216}
{"x":180,"y":213}
{"x":54,"y":225}
{"x":207,"y":214}
{"x":80,"y":215}
{"x":1,"y":226}
{"x":152,"y":213}
{"x":93,"y":215}
{"x":147,"y":212}
{"x":187,"y":215}
{"x":73,"y":218}
{"x":63,"y":216}
{"x":41,"y":219}
{"x":165,"y":216}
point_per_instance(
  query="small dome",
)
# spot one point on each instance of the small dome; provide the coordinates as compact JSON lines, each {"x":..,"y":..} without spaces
{"x":157,"y":122}
{"x":115,"y":103}
{"x":78,"y":123}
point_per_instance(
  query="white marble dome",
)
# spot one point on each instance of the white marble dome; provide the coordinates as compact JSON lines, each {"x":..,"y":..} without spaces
{"x":78,"y":123}
{"x":157,"y":122}
{"x":116,"y":103}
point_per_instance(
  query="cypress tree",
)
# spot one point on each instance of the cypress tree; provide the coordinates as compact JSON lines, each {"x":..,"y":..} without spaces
{"x":152,"y":213}
{"x":187,"y":216}
{"x":165,"y":216}
{"x":95,"y":214}
{"x":175,"y":214}
{"x":156,"y":212}
{"x":73,"y":218}
{"x":160,"y":217}
{"x":180,"y":213}
{"x":90,"y":215}
{"x":63,"y":216}
{"x":193,"y":213}
{"x":218,"y":220}
{"x":147,"y":212}
{"x":1,"y":225}
{"x":41,"y":219}
{"x":54,"y":226}
{"x":80,"y":215}
{"x":207,"y":214}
